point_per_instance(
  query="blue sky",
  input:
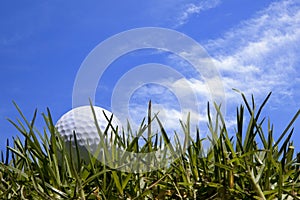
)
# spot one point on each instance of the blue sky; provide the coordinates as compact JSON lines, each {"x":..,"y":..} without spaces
{"x":255,"y":46}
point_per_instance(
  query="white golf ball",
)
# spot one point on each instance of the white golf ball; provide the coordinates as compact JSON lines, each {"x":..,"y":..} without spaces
{"x":81,"y":121}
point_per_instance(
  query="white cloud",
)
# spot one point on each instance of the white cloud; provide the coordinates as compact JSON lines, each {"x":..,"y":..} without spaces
{"x":195,"y":8}
{"x":176,"y":13}
{"x":262,"y":54}
{"x":258,"y":56}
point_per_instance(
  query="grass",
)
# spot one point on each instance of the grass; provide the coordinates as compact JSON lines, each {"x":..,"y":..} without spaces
{"x":252,"y":164}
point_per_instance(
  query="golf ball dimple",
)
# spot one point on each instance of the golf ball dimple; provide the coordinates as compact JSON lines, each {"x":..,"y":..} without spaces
{"x":81,"y":122}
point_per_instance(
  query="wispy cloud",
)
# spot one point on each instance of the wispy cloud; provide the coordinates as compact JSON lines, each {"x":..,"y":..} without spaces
{"x":262,"y":54}
{"x":191,"y":9}
{"x":258,"y":56}
{"x":174,"y":14}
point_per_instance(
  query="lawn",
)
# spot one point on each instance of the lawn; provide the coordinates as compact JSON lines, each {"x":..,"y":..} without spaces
{"x":253,"y":164}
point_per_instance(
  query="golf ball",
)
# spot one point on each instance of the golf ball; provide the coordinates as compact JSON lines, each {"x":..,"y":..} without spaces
{"x":81,"y":122}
